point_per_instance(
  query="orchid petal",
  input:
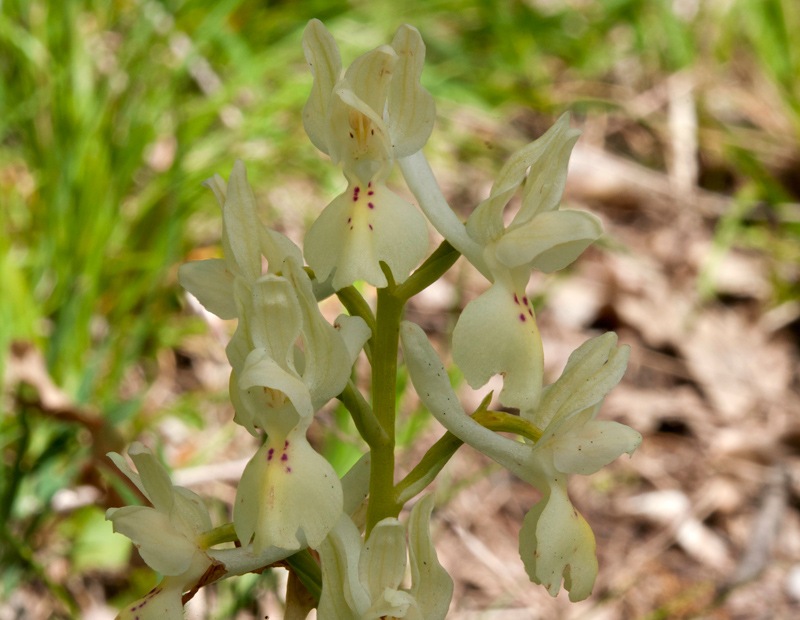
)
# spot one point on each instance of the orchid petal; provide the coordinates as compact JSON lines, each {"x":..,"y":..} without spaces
{"x":245,"y":413}
{"x":278,"y":321}
{"x":154,"y":477}
{"x":391,"y":603}
{"x":241,"y":225}
{"x":166,"y":534}
{"x":161,"y":546}
{"x":328,"y":362}
{"x":411,"y":111}
{"x":218,"y":186}
{"x":486,"y":222}
{"x":547,"y":177}
{"x":261,"y":370}
{"x":359,"y":138}
{"x":354,"y":332}
{"x":593,"y":445}
{"x":592,"y":370}
{"x":211,"y":283}
{"x":431,"y":586}
{"x":550,"y":241}
{"x":190,"y":511}
{"x":340,"y":241}
{"x":240,"y":343}
{"x":277,"y":247}
{"x":121,"y":464}
{"x":369,"y":77}
{"x":343,"y":595}
{"x":322,"y":55}
{"x":383,"y":559}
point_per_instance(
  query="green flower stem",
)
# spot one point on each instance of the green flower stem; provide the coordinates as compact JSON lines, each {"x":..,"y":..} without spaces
{"x":430,"y":271}
{"x":366,"y":423}
{"x":382,"y":501}
{"x":308,"y":571}
{"x":222,"y":534}
{"x":428,"y":468}
{"x":440,"y":453}
{"x":356,"y":305}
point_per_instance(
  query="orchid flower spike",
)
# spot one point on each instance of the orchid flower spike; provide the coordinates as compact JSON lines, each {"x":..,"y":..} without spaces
{"x":363,"y":581}
{"x":555,"y":541}
{"x":365,"y":118}
{"x":167,"y":535}
{"x":540,"y":236}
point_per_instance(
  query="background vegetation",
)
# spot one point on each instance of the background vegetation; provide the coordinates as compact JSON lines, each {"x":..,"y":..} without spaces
{"x":113,"y":113}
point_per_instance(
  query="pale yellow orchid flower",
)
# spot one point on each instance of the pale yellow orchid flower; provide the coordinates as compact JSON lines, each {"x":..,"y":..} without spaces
{"x":365,"y":118}
{"x":166,"y":535}
{"x":555,"y":541}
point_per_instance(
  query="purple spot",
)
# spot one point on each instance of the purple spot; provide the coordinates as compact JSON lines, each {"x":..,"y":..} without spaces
{"x":370,"y":193}
{"x":370,"y":205}
{"x":522,"y":317}
{"x":530,"y":312}
{"x":288,"y":470}
{"x":270,"y":453}
{"x":525,"y":300}
{"x":356,"y":189}
{"x":285,"y":444}
{"x":284,"y":457}
{"x":369,"y":184}
{"x":516,"y":299}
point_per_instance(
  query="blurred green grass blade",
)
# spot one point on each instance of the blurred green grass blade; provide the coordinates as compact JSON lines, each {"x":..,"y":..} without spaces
{"x":767,"y":29}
